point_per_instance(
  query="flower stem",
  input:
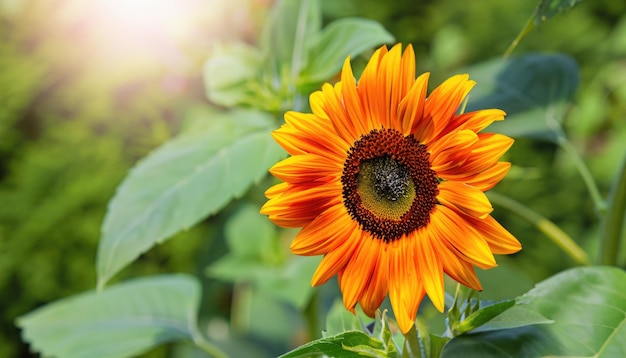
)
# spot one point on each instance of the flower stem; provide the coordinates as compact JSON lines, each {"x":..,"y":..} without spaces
{"x":311,"y":313}
{"x":554,"y":233}
{"x":206,"y":346}
{"x":613,"y":224}
{"x":598,"y":201}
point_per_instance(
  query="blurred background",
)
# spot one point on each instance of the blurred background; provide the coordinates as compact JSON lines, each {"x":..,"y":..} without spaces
{"x":89,"y":87}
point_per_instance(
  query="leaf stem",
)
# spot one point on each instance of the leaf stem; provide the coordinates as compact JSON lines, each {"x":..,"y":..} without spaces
{"x":613,"y":222}
{"x":554,"y":233}
{"x":598,"y":201}
{"x":527,"y":28}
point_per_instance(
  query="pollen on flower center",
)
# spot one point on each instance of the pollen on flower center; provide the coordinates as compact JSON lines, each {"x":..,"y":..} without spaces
{"x":391,"y":180}
{"x":388,"y":186}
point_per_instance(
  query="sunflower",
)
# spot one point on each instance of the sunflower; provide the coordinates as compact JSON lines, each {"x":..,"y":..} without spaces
{"x":388,"y":184}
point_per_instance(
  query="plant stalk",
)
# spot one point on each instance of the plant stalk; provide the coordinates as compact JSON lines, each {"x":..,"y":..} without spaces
{"x":613,"y":221}
{"x":598,"y":201}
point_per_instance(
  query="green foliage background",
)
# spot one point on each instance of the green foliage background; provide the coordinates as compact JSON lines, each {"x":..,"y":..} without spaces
{"x":74,"y":118}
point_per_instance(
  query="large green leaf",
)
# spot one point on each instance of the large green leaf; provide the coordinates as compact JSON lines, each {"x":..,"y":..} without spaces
{"x":340,"y":39}
{"x":533,"y":89}
{"x":122,"y":321}
{"x":343,"y":345}
{"x":587,"y":306}
{"x":230,"y":74}
{"x":256,"y":256}
{"x":182,"y":182}
{"x":292,"y":23}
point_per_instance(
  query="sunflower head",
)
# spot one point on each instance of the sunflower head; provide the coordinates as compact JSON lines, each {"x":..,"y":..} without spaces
{"x":388,"y":184}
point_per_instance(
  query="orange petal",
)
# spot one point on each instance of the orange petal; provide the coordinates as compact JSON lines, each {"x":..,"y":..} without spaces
{"x":336,"y":260}
{"x":368,"y":88}
{"x":405,"y":287}
{"x":443,"y":103}
{"x":390,"y":94}
{"x":430,"y":269}
{"x":500,"y":241}
{"x":351,"y":99}
{"x":451,"y":150}
{"x":276,"y":190}
{"x":306,"y":167}
{"x":485,"y":154}
{"x":299,"y":204}
{"x":467,"y":242}
{"x":475,"y":121}
{"x":378,"y":286}
{"x":326,"y":232}
{"x":457,"y":268}
{"x":329,"y":104}
{"x":464,"y":198}
{"x":411,"y":108}
{"x":358,"y":272}
{"x":307,"y":133}
{"x":407,"y":70}
{"x":490,"y":177}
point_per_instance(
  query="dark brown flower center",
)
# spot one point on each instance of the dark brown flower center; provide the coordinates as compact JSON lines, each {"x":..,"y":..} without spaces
{"x":388,"y":186}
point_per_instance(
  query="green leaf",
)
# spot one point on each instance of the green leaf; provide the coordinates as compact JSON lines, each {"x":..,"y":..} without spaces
{"x":587,"y":306}
{"x":340,"y":39}
{"x":256,"y":256}
{"x":230,"y":74}
{"x":291,"y":24}
{"x":289,"y":282}
{"x":251,"y":236}
{"x":347,"y":345}
{"x":534,"y":90}
{"x":481,"y":316}
{"x":528,"y":341}
{"x":546,"y":9}
{"x":514,"y":317}
{"x":182,"y":182}
{"x":122,"y":321}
